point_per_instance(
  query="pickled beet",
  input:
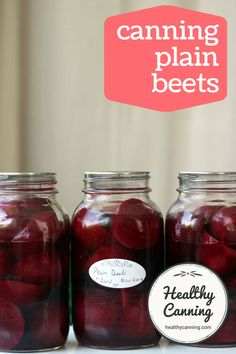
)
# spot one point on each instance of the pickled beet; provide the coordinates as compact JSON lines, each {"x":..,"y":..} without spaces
{"x":184,"y":227}
{"x":136,"y":225}
{"x":22,"y":294}
{"x":223,"y":225}
{"x":89,"y":228}
{"x":10,"y":221}
{"x":11,"y":325}
{"x":22,"y":249}
{"x":29,"y":240}
{"x":207,"y":239}
{"x":48,"y":325}
{"x":93,"y":317}
{"x":207,"y":211}
{"x":43,"y":226}
{"x":30,"y":232}
{"x":47,"y":224}
{"x":136,"y":323}
{"x":216,"y":255}
{"x":44,"y":269}
{"x":226,"y":334}
{"x":177,"y":252}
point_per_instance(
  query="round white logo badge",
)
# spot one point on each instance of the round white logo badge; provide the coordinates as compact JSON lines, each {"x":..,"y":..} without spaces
{"x":188,"y":303}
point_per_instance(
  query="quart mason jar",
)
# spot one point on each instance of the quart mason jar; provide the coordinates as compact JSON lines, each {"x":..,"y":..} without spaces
{"x":201,"y":228}
{"x":34,"y":251}
{"x":117,"y":251}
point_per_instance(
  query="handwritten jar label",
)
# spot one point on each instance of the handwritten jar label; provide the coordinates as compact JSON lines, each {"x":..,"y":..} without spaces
{"x":188,"y":303}
{"x":117,"y":273}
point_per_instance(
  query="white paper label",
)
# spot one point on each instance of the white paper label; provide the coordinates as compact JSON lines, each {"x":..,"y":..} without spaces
{"x":117,"y":273}
{"x":188,"y":303}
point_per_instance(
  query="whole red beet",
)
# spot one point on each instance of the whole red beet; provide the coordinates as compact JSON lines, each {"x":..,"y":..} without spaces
{"x":223,"y":225}
{"x":184,"y":227}
{"x":136,"y":225}
{"x":48,"y":325}
{"x":11,"y":325}
{"x":22,"y":294}
{"x":89,"y":228}
{"x":42,"y":269}
{"x":11,"y":219}
{"x":216,"y":255}
{"x":93,"y":319}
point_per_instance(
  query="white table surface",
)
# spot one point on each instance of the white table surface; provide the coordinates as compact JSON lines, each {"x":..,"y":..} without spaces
{"x":164,"y":347}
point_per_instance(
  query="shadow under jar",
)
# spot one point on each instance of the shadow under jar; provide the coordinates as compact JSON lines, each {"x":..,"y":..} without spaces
{"x":117,"y":252}
{"x":201,"y":228}
{"x":34,"y":252}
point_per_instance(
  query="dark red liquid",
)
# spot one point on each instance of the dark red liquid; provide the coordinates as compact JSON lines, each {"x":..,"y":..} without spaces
{"x":34,"y":251}
{"x":207,"y":236}
{"x":108,"y":317}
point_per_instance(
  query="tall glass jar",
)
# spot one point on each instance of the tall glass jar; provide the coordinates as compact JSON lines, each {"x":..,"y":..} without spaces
{"x":34,"y":251}
{"x":201,"y":228}
{"x":117,"y":251}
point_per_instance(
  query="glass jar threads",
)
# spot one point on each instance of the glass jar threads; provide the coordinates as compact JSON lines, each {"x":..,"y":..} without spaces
{"x":34,"y":252}
{"x":201,"y":228}
{"x":117,"y":251}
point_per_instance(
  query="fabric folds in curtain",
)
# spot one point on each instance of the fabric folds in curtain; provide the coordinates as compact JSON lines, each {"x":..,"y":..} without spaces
{"x":54,"y":116}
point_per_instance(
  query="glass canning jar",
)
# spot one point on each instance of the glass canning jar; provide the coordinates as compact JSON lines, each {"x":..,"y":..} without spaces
{"x":201,"y":228}
{"x":117,"y":252}
{"x":34,"y":251}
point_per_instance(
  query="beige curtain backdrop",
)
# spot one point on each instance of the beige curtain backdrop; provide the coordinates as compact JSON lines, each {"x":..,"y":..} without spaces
{"x":54,"y":116}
